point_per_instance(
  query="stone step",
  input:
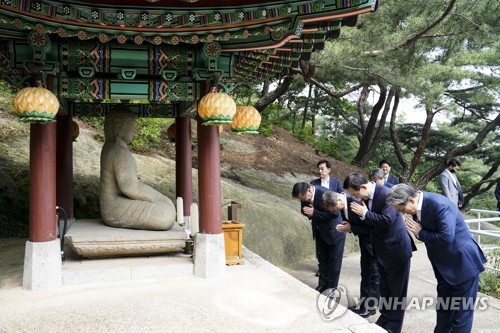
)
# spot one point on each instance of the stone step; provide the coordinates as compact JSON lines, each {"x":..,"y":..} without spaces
{"x":79,"y":271}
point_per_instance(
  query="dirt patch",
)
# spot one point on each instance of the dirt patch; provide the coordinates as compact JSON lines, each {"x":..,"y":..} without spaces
{"x":281,"y":154}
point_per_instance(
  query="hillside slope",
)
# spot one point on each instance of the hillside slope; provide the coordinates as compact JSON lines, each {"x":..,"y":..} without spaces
{"x":257,"y":172}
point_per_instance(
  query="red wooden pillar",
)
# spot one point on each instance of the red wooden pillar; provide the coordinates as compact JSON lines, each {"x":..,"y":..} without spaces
{"x":64,"y":164}
{"x":183,"y":163}
{"x":42,"y":182}
{"x":209,"y":179}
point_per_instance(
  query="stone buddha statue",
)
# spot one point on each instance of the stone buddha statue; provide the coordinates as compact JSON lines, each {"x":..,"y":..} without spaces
{"x":125,"y":201}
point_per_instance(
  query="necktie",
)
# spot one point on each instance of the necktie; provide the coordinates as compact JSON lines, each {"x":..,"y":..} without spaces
{"x":415,"y":218}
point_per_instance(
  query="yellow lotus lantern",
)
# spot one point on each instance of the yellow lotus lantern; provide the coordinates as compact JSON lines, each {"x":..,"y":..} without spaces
{"x":216,"y":109}
{"x":35,"y":104}
{"x":246,"y":120}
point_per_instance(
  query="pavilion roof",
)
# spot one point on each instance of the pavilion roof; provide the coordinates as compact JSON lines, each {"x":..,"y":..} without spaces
{"x":264,"y":38}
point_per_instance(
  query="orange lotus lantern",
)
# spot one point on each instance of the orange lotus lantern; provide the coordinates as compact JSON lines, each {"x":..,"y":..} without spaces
{"x":75,"y":131}
{"x":171,"y":131}
{"x":216,"y":109}
{"x":246,"y":120}
{"x":35,"y":104}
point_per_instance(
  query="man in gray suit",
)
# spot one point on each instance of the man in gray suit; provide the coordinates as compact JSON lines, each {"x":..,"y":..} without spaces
{"x":450,"y":186}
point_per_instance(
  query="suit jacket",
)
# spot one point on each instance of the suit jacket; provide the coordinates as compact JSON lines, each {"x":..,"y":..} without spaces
{"x":391,"y":241}
{"x":450,"y":246}
{"x":392,"y":179}
{"x":335,"y":184}
{"x":324,"y":221}
{"x":358,"y":228}
{"x":449,"y":186}
{"x":389,"y":185}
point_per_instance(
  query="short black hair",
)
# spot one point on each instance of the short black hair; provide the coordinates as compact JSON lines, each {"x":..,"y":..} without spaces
{"x":384,"y":162}
{"x":300,"y":189}
{"x":328,"y":165}
{"x":454,"y":162}
{"x":355,"y":180}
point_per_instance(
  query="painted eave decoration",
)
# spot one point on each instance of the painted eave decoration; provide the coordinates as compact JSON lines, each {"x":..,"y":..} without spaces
{"x":265,"y":37}
{"x":152,"y":56}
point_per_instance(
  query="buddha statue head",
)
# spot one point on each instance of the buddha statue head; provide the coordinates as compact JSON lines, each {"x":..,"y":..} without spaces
{"x":120,"y":123}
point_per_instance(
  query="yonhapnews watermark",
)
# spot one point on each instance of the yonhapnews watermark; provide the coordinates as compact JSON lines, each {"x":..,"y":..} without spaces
{"x":329,"y":300}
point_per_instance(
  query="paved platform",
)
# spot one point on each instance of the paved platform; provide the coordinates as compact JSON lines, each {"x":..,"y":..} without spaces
{"x":160,"y":294}
{"x":422,"y":284}
{"x":254,"y":297}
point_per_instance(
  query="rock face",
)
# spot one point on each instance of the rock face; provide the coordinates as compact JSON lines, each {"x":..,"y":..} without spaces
{"x":93,"y":239}
{"x":125,"y":201}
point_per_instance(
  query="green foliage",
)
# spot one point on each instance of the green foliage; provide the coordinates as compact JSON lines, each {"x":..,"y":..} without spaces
{"x":489,"y":283}
{"x":266,"y":129}
{"x":94,"y":122}
{"x":269,"y":120}
{"x":148,"y":133}
{"x":5,"y":98}
{"x":305,"y":135}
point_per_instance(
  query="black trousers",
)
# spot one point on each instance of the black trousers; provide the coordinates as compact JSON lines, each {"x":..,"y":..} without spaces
{"x":393,"y":292}
{"x":330,"y":262}
{"x":370,"y":278}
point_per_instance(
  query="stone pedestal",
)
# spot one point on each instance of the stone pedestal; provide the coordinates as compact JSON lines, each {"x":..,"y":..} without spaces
{"x":42,"y":265}
{"x":209,"y":257}
{"x":93,"y":239}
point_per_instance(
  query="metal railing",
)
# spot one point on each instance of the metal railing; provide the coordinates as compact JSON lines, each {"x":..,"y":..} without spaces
{"x":480,"y":232}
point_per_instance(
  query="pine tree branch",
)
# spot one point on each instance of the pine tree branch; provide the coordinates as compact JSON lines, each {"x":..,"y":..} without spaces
{"x":413,"y":38}
{"x":459,"y":151}
{"x":454,"y":91}
{"x":270,"y":97}
{"x":322,"y":86}
{"x":342,"y":114}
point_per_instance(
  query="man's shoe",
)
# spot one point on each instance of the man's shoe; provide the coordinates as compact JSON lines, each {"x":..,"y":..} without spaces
{"x":320,"y":289}
{"x":364,"y":313}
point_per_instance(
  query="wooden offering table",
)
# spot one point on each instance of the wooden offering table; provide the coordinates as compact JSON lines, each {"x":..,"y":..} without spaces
{"x":233,"y":240}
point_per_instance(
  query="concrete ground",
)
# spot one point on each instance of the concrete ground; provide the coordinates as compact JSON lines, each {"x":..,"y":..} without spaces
{"x":422,"y":284}
{"x":254,"y":297}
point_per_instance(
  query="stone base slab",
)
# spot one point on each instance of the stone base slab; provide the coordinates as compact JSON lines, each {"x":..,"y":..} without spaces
{"x":209,"y":256}
{"x":93,"y":239}
{"x":42,"y":265}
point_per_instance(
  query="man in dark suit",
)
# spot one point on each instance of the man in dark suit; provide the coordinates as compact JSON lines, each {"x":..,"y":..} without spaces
{"x":392,"y":245}
{"x":386,"y":168}
{"x":331,"y":183}
{"x":329,"y":242}
{"x":456,"y":258}
{"x":377,"y":176}
{"x":369,"y":287}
